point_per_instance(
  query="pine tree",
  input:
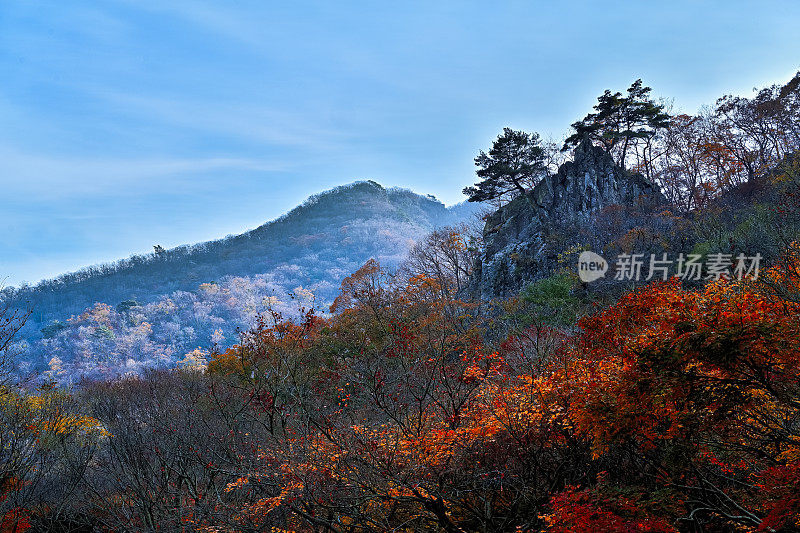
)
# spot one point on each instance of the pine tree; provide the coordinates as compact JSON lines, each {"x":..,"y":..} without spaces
{"x":514,"y":164}
{"x":621,"y":121}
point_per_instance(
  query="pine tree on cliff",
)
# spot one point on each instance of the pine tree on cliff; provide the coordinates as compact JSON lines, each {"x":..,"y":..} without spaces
{"x":620,"y":122}
{"x":514,"y":164}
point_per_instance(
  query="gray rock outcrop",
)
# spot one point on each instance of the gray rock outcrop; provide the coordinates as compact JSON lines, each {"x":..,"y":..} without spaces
{"x":522,"y":239}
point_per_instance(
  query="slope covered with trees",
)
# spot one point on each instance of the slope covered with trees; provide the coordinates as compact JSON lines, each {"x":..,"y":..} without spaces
{"x":152,"y":310}
{"x":411,"y":404}
{"x":409,"y":409}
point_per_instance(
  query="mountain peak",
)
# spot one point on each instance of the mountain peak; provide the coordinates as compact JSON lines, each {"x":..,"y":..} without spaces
{"x":186,"y":294}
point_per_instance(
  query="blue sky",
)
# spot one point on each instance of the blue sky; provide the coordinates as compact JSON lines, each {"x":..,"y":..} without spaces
{"x":131,"y":123}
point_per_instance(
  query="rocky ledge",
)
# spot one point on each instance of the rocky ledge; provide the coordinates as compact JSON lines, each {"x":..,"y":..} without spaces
{"x":522,"y":240}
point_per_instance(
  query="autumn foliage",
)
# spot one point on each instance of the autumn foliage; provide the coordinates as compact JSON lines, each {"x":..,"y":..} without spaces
{"x":409,"y":409}
{"x":408,"y":406}
{"x":672,"y":410}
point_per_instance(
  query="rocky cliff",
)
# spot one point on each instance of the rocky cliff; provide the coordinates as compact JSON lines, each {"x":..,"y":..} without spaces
{"x":524,"y":238}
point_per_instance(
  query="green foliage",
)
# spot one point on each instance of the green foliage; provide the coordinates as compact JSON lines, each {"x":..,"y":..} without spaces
{"x":621,"y":121}
{"x":515,"y":163}
{"x":103,"y":332}
{"x":52,"y":329}
{"x":702,"y":248}
{"x":127,"y":305}
{"x":552,"y":299}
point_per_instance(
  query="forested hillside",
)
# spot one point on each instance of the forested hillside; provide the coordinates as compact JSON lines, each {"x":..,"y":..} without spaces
{"x":149,"y":311}
{"x":665,"y":403}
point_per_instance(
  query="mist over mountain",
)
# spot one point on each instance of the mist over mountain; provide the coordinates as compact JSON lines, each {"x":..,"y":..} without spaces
{"x":151,"y":310}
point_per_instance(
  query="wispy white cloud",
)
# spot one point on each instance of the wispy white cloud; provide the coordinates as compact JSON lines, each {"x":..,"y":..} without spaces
{"x":249,"y":121}
{"x":244,"y":22}
{"x":50,"y":177}
{"x":323,"y":37}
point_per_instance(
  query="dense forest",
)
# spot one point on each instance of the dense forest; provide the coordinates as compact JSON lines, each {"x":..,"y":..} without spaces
{"x":150,"y":311}
{"x":412,"y":404}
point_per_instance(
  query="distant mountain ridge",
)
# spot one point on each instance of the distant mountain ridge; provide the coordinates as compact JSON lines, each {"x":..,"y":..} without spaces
{"x":308,"y":250}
